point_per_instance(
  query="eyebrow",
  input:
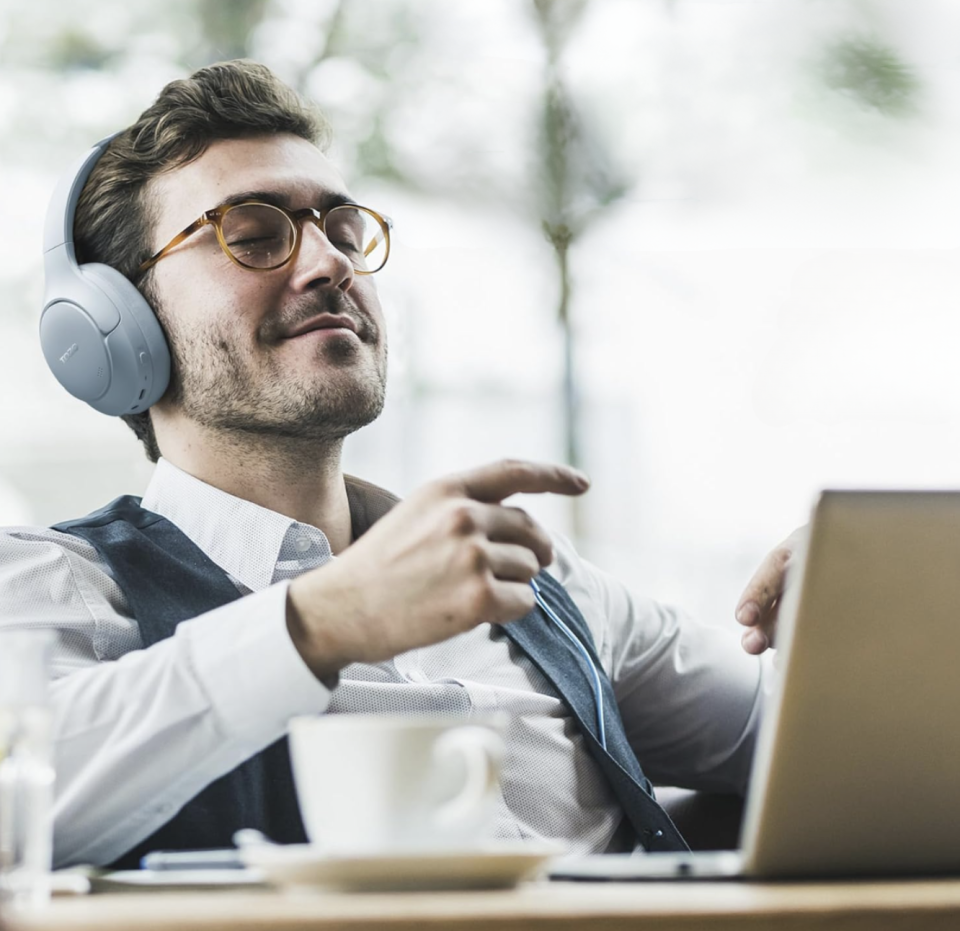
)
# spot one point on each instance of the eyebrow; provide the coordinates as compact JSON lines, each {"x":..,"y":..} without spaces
{"x":276,"y":199}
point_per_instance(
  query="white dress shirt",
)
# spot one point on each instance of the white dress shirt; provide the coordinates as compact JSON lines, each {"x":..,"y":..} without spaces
{"x":139,"y":732}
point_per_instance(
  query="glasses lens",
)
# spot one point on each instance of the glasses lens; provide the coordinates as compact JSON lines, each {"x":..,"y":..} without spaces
{"x":360,"y":235}
{"x":258,"y":235}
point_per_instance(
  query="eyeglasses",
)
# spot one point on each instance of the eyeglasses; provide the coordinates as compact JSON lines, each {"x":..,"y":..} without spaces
{"x":263,"y":237}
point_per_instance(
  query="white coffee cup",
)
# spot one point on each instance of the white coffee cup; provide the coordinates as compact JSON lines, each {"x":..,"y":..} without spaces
{"x":375,"y":784}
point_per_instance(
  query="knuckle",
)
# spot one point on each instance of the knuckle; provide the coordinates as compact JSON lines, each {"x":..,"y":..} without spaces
{"x":475,"y":557}
{"x":445,"y":487}
{"x":436,"y":485}
{"x":522,"y":602}
{"x":527,"y":598}
{"x":479,"y":596}
{"x":429,"y":497}
{"x":530,"y":531}
{"x":547,"y":556}
{"x":532,"y":565}
{"x":462,"y":520}
{"x":524,"y":519}
{"x":782,"y":556}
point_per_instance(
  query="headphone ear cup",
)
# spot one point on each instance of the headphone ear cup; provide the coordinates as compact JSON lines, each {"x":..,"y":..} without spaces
{"x":103,"y":341}
{"x":99,"y":335}
{"x":138,"y":347}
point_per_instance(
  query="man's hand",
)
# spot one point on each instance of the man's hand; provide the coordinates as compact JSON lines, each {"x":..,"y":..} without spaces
{"x":446,"y":559}
{"x":759,"y":605}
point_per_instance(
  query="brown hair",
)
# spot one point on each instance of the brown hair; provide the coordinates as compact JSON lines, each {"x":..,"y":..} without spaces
{"x":228,"y":100}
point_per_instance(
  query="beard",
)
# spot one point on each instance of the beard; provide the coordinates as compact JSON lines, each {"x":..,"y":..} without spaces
{"x":223,"y":388}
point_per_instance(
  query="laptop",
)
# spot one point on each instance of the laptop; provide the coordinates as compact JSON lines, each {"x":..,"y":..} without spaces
{"x":857,"y":766}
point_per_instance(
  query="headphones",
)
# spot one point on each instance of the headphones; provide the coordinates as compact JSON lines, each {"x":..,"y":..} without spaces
{"x":99,"y":335}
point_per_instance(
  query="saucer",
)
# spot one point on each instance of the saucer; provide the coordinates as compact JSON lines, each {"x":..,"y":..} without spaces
{"x":493,"y":866}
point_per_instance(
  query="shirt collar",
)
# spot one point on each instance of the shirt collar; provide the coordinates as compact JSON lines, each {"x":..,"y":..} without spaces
{"x":249,"y":542}
{"x":241,"y":537}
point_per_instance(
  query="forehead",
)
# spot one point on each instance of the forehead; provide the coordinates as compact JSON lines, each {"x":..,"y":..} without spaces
{"x":288,"y":166}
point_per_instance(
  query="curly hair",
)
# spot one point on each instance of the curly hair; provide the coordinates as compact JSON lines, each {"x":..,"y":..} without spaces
{"x":229,"y":100}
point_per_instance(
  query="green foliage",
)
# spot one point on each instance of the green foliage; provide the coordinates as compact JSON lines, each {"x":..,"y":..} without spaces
{"x":576,"y":178}
{"x":873,"y":75}
{"x":556,"y":20}
{"x":375,"y":156}
{"x":226,"y":27}
{"x":575,"y":183}
{"x":73,"y":49}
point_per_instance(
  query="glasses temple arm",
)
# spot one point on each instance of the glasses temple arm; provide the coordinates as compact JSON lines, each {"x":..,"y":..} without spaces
{"x":379,"y":238}
{"x":179,"y":238}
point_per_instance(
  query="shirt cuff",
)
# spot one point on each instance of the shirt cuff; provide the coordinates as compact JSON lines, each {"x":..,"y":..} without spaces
{"x":248,"y":666}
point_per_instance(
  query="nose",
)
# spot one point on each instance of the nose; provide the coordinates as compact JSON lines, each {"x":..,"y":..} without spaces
{"x":318,"y":263}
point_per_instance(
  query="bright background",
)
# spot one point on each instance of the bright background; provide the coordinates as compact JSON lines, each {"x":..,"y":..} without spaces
{"x":762,"y":201}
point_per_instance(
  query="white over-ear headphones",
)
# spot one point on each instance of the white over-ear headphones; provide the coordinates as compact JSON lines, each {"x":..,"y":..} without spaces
{"x":99,"y":335}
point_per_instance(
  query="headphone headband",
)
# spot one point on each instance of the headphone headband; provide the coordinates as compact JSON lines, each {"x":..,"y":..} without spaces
{"x":58,"y":226}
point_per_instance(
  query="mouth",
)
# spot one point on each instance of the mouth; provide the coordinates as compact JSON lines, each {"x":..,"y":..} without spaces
{"x":333,"y":322}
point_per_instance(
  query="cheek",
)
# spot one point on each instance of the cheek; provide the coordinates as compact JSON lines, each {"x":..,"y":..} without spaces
{"x":187,"y":300}
{"x":210,"y":307}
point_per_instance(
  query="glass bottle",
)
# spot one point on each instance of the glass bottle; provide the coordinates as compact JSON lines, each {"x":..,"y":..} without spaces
{"x":26,"y":768}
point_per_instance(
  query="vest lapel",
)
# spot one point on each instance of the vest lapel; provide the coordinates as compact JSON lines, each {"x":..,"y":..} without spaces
{"x":165,"y":576}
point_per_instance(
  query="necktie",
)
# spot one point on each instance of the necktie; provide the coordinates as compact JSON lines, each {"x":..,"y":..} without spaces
{"x":564,"y":666}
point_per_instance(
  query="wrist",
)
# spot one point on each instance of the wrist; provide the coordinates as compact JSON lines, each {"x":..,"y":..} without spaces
{"x":314,"y":633}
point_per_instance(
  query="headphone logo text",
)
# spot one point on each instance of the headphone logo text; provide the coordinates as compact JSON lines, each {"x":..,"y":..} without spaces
{"x":69,"y":353}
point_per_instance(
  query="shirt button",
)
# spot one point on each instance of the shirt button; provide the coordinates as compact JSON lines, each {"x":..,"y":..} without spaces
{"x":302,"y":544}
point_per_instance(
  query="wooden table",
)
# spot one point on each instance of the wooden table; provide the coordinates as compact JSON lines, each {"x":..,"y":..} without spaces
{"x":866,"y":906}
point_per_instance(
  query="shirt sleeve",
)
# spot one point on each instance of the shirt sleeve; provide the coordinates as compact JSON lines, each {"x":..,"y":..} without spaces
{"x":138,"y":736}
{"x":690,"y":697}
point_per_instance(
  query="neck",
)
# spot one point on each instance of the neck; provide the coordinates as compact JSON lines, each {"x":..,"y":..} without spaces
{"x":300,"y":478}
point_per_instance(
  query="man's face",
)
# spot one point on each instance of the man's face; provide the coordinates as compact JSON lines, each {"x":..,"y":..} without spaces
{"x":299,"y":351}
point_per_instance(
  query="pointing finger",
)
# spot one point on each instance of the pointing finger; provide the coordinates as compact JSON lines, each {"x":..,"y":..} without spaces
{"x":492,"y":483}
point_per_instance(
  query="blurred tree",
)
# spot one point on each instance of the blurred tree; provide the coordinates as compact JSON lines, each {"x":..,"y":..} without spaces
{"x":872,"y":74}
{"x":575,"y":182}
{"x":387,"y":40}
{"x":96,"y":61}
{"x":381,"y":39}
{"x":226,"y":29}
{"x":76,"y":49}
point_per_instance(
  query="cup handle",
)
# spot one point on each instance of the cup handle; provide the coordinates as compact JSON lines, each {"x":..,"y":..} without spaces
{"x":481,"y":751}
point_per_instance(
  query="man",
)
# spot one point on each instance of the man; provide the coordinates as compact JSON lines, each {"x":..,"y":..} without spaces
{"x":255,"y":581}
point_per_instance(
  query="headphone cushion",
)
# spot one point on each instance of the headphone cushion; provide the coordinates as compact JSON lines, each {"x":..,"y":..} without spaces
{"x":137,"y":346}
{"x":103,"y":341}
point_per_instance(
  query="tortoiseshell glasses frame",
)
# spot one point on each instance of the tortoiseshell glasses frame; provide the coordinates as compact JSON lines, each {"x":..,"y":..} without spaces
{"x":262,"y":237}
